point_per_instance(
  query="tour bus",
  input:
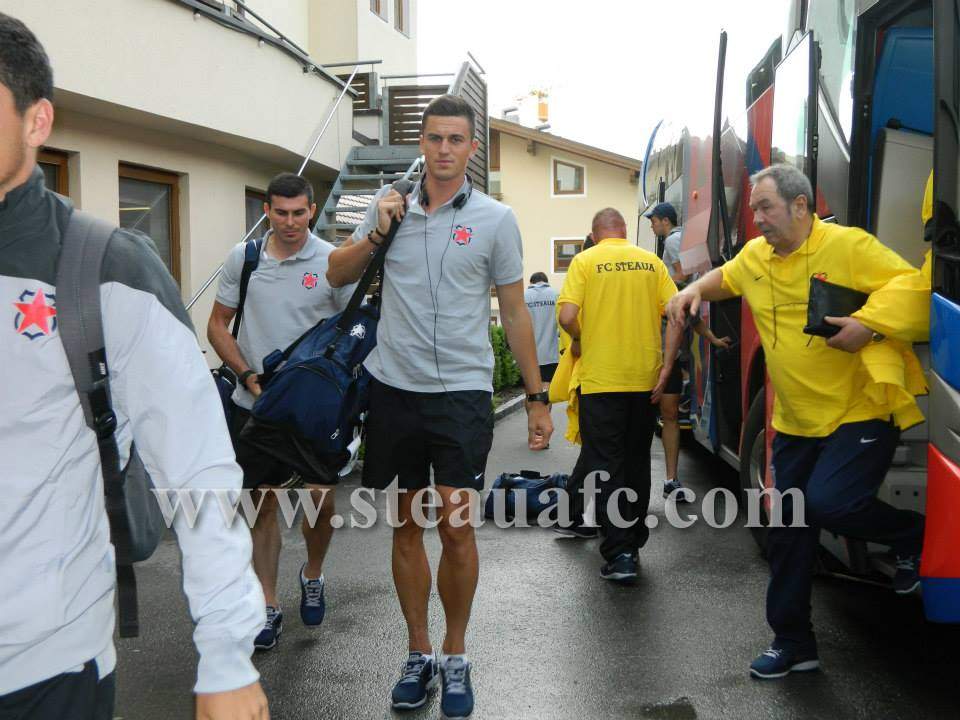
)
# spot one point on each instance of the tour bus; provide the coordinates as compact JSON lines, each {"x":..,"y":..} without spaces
{"x":864,"y":96}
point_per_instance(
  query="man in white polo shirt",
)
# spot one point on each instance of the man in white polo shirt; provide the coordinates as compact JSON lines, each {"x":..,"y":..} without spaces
{"x":430,"y":402}
{"x":287,"y":294}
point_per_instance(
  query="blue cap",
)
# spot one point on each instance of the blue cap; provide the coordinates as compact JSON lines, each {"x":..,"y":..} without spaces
{"x":663,"y":210}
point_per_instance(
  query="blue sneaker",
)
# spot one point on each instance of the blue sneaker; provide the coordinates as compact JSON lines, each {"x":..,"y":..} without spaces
{"x":779,"y":662}
{"x":623,"y":568}
{"x":267,"y":639}
{"x":312,"y":605}
{"x":674,"y":486}
{"x":457,"y":699}
{"x":419,"y":677}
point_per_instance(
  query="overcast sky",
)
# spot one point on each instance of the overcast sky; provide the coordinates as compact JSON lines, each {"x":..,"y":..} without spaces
{"x":613,"y":68}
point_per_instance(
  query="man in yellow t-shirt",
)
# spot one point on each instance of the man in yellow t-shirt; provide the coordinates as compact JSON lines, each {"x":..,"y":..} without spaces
{"x":611,"y":304}
{"x":834,"y":443}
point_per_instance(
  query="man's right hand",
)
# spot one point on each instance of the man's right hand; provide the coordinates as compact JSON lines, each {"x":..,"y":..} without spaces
{"x":392,"y":205}
{"x":685,"y":304}
{"x":253,"y":385}
{"x":246,"y":703}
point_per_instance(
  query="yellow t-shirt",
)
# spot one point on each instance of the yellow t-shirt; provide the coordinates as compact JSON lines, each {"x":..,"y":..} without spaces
{"x":621,"y":291}
{"x":817,"y":387}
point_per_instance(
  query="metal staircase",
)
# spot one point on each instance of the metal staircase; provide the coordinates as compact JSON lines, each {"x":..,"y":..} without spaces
{"x":370,"y":167}
{"x":367,"y":169}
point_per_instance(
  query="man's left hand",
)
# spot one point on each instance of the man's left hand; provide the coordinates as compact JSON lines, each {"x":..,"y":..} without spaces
{"x":539,"y":426}
{"x":853,"y":335}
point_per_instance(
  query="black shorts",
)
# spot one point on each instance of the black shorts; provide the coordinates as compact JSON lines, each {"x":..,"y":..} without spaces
{"x":408,"y":432}
{"x":547,"y":371}
{"x":68,"y":696}
{"x":674,"y":384}
{"x":270,"y":456}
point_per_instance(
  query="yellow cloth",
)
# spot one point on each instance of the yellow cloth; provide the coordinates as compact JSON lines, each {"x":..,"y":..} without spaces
{"x":817,"y":387}
{"x":563,"y":388}
{"x":621,"y":291}
{"x":895,"y":377}
{"x":926,"y":215}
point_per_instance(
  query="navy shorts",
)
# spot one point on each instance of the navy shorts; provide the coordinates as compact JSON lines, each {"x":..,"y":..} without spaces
{"x":410,"y":432}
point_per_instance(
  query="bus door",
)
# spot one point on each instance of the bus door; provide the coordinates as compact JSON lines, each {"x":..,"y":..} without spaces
{"x":940,"y":567}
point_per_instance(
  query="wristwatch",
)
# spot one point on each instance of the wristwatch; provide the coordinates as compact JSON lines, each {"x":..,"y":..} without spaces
{"x":878,"y":337}
{"x":543,"y":397}
{"x":244,"y":375}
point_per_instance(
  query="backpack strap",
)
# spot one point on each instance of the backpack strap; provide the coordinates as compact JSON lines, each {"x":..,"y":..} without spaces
{"x":251,"y":258}
{"x":80,"y":326}
{"x":374,"y":267}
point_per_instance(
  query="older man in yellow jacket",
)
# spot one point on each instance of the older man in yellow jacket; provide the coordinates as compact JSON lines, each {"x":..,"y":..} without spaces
{"x":837,"y":426}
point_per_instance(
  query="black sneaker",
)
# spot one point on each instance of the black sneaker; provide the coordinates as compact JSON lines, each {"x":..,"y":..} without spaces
{"x":907,"y":578}
{"x":419,"y":677}
{"x":775,"y":662}
{"x":623,"y":568}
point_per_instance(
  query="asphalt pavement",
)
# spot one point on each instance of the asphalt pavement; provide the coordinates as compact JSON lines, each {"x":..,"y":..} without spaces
{"x":550,"y":639}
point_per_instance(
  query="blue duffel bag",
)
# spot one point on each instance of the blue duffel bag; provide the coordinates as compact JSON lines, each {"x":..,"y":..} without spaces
{"x":530,"y":484}
{"x":317,"y":388}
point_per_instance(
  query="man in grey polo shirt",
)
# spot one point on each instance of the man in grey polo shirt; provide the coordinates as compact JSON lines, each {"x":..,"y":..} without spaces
{"x":541,"y":300}
{"x":430,"y":403}
{"x":287,"y":294}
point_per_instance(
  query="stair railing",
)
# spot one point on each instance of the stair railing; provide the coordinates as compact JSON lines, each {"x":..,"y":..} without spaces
{"x":306,"y":159}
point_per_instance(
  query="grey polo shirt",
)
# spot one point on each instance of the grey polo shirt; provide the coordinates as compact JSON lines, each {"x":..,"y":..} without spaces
{"x":541,"y":300}
{"x":433,"y":334}
{"x":671,"y":247}
{"x":285,"y":298}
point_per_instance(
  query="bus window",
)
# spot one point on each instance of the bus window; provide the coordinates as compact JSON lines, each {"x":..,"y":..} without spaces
{"x":834,"y":23}
{"x":793,"y":122}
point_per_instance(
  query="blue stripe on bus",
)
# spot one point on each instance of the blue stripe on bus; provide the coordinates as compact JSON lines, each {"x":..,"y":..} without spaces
{"x":941,"y":599}
{"x":945,"y":339}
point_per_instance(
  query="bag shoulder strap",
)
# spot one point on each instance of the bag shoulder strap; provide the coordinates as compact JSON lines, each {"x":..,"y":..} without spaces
{"x":251,"y":259}
{"x":80,"y":326}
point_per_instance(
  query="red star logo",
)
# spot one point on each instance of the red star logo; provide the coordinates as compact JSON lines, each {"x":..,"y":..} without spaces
{"x":462,"y":235}
{"x":36,"y":312}
{"x":309,"y":280}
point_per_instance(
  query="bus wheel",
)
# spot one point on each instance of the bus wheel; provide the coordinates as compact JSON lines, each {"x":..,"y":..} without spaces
{"x":753,"y":461}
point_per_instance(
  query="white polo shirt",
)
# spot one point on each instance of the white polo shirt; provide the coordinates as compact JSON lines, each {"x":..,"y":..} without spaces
{"x":285,"y":298}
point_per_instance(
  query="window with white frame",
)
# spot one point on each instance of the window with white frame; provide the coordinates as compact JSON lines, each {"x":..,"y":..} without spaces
{"x":564,"y":250}
{"x":379,"y":8}
{"x":568,"y":178}
{"x":401,"y":16}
